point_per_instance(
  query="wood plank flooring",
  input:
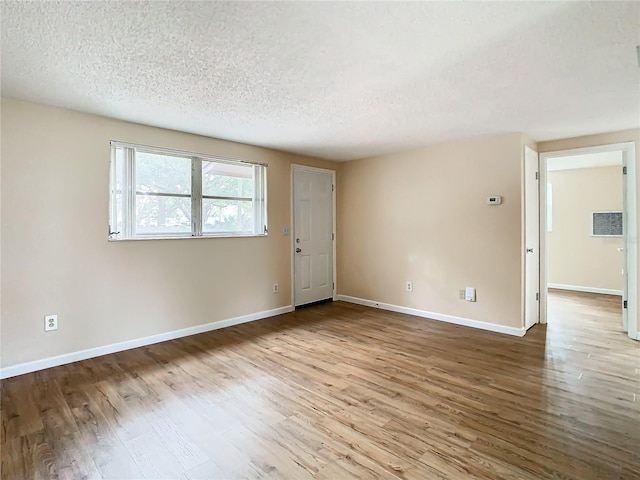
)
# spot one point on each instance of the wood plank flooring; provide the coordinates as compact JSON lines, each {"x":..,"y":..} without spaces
{"x":341,"y":391}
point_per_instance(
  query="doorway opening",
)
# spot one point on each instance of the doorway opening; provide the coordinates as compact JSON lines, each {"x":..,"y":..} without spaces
{"x":588,"y":261}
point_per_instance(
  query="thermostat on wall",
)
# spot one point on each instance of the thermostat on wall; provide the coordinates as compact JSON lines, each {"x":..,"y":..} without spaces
{"x":494,"y":200}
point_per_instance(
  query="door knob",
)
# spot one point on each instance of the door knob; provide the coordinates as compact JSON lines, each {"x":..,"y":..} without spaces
{"x":529,"y":250}
{"x":620,"y":249}
{"x":298,"y":250}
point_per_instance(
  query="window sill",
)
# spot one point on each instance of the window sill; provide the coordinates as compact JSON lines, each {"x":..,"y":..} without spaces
{"x":189,"y":237}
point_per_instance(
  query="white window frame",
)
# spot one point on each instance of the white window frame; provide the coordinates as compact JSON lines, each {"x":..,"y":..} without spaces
{"x":128,"y":230}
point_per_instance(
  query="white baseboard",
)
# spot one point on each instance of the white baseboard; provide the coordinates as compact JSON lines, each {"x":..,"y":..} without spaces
{"x":36,"y":365}
{"x":494,"y":327}
{"x":578,"y":288}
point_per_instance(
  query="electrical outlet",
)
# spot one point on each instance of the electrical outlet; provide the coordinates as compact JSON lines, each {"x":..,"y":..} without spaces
{"x":409,"y":287}
{"x":275,"y":288}
{"x":50,"y":322}
{"x":462,"y":294}
{"x":470,"y":294}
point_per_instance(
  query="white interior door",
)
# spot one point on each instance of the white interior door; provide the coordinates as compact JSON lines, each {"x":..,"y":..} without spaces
{"x":313,"y":235}
{"x":532,"y":238}
{"x":624,"y":250}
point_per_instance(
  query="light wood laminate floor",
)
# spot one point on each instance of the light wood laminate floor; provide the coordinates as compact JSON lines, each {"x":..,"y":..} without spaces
{"x":341,"y":391}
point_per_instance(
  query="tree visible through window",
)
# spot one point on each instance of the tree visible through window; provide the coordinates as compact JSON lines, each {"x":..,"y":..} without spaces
{"x":161,"y":193}
{"x":227,"y":196}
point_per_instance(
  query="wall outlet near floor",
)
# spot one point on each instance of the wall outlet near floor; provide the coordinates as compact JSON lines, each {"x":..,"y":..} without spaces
{"x":461,"y":295}
{"x":408,"y":286}
{"x":50,"y":322}
{"x":275,"y":288}
{"x":470,"y":294}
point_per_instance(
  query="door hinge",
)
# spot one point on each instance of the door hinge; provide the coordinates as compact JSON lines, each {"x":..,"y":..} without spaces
{"x":334,"y":285}
{"x":624,"y":304}
{"x":624,"y":170}
{"x":537,"y":296}
{"x":332,"y":187}
{"x":333,"y":236}
{"x":537,"y":175}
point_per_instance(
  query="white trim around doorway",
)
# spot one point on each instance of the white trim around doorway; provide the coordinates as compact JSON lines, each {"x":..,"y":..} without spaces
{"x":631,"y":232}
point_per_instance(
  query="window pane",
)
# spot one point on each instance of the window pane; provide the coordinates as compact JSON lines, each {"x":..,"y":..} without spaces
{"x":151,"y":194}
{"x":119,"y":170}
{"x":227,"y":216}
{"x":162,"y":215}
{"x":226,"y":180}
{"x":162,"y":173}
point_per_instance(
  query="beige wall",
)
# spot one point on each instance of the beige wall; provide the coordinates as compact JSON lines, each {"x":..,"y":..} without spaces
{"x":418,"y":216}
{"x":422,"y":216}
{"x":574,"y":256}
{"x":56,"y":258}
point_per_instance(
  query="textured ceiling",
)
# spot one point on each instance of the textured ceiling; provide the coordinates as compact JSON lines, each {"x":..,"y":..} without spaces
{"x":339,"y":80}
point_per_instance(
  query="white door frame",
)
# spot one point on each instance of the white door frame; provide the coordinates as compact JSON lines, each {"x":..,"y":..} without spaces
{"x":302,"y":168}
{"x":525,"y":245}
{"x":631,"y":232}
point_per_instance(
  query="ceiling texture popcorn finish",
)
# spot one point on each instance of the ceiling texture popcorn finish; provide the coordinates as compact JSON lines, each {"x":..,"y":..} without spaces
{"x":337,"y":80}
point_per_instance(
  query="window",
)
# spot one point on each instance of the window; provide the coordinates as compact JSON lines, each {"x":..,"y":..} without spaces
{"x":160,"y":193}
{"x":606,"y":224}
